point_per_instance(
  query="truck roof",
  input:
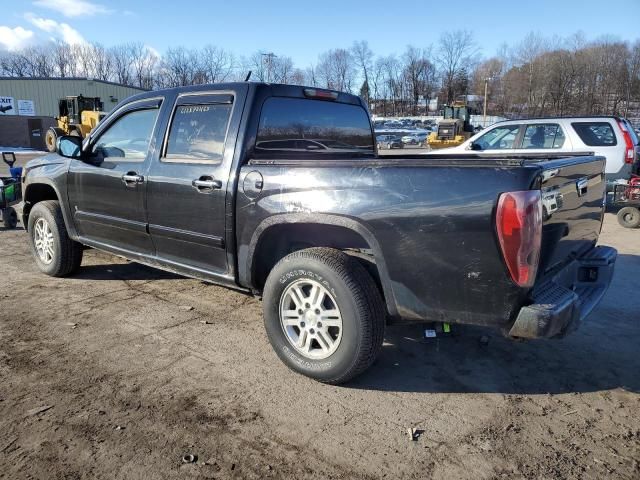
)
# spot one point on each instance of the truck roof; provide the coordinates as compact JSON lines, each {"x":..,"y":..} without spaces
{"x":268,"y":89}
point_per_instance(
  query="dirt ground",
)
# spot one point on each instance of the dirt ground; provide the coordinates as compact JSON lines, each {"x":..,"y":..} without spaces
{"x":121,"y":370}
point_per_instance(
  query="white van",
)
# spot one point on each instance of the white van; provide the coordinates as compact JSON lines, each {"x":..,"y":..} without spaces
{"x":611,"y":137}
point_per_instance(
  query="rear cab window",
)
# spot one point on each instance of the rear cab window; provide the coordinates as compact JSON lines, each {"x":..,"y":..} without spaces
{"x":308,"y":126}
{"x":543,"y":135}
{"x":596,"y":134}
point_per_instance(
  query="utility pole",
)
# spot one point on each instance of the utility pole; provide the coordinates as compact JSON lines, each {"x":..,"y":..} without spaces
{"x":484,"y":114}
{"x":268,"y":59}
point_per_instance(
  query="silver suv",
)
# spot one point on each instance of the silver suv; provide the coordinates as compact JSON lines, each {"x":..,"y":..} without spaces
{"x":612,"y":137}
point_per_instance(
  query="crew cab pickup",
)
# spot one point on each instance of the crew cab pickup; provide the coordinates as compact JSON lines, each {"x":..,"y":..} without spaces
{"x":278,"y":191}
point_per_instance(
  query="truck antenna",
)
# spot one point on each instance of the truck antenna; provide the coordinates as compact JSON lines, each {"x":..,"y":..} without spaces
{"x":248,"y":76}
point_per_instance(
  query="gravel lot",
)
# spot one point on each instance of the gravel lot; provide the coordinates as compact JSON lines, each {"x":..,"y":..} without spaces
{"x":121,"y":370}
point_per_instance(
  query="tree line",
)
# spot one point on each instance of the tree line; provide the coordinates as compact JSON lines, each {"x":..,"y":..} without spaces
{"x":535,"y":77}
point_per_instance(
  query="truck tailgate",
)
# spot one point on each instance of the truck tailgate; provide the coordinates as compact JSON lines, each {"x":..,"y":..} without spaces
{"x":573,"y":199}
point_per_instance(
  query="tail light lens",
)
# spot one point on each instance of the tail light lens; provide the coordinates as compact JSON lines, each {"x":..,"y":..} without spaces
{"x":519,"y":227}
{"x":629,"y":152}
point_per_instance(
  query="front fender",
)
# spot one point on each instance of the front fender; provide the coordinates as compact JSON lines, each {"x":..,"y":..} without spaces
{"x":53,"y":174}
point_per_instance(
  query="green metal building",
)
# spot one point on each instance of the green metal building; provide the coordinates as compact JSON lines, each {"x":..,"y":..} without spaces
{"x":28,"y":105}
{"x":39,"y":96}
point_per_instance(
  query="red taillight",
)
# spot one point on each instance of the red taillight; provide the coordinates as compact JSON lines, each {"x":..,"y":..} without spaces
{"x":323,"y":94}
{"x":629,"y":152}
{"x":519,"y":226}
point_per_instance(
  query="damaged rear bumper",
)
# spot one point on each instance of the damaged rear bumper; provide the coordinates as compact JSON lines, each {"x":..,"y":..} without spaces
{"x":564,"y":300}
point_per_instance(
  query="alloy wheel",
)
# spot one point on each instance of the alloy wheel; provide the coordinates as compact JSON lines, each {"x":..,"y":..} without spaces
{"x":310,"y":319}
{"x":43,"y":241}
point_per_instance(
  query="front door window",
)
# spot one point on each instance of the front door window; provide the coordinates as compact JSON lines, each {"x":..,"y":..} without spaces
{"x":499,"y":138}
{"x":127,"y":139}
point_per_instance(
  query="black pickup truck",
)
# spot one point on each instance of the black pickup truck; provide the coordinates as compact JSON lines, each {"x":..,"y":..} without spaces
{"x":278,"y":191}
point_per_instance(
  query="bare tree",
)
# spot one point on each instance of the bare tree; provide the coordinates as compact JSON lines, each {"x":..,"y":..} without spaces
{"x":391,"y":85}
{"x":255,"y":63}
{"x":36,"y":61}
{"x":633,"y":82}
{"x":538,"y":76}
{"x":311,"y":76}
{"x":62,"y":58}
{"x":217,"y":64}
{"x":419,"y":75}
{"x":336,"y":69}
{"x":180,"y":67}
{"x":529,"y":56}
{"x":122,"y":61}
{"x":456,"y":51}
{"x":143,"y":64}
{"x":100,"y":62}
{"x":363,"y":57}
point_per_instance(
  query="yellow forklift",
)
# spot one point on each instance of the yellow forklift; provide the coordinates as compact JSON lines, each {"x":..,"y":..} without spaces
{"x":454,"y":128}
{"x":77,"y":115}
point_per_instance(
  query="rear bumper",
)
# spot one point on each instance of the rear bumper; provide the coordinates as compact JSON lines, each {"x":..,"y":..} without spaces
{"x":564,"y":300}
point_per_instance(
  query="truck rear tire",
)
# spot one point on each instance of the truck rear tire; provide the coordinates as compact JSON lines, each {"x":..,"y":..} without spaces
{"x":629,"y":217}
{"x":323,"y":314}
{"x":55,"y":253}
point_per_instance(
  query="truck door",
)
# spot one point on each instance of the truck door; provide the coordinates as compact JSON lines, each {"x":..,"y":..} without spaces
{"x":107,"y":191}
{"x":187,"y":184}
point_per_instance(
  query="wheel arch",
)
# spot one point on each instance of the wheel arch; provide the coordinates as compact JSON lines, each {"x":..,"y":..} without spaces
{"x":277,"y":236}
{"x":37,"y":192}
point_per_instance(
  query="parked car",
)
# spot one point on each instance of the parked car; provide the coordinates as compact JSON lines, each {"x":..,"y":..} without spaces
{"x":277,"y":191}
{"x":417,"y":138}
{"x":392,"y":124}
{"x":388,"y":142}
{"x":611,"y":137}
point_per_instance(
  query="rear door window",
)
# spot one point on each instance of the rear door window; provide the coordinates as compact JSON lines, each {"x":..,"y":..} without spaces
{"x":595,"y":134}
{"x":295,"y":125}
{"x":197,"y":133}
{"x":499,"y":138}
{"x":543,"y":135}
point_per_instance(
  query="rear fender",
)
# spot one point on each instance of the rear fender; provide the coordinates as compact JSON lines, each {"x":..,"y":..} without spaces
{"x":247,"y":260}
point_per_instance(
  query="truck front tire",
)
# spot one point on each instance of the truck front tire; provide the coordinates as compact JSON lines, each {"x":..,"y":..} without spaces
{"x":323,"y":314}
{"x":54,"y":252}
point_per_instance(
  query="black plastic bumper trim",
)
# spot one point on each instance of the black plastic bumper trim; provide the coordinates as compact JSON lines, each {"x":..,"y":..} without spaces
{"x":562,"y":302}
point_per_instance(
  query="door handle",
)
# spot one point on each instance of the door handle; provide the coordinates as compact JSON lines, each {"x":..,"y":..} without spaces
{"x":582,"y":185}
{"x":206,"y":184}
{"x":132,"y":178}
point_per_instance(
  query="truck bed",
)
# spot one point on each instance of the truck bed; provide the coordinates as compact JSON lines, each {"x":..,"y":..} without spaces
{"x":432,"y":222}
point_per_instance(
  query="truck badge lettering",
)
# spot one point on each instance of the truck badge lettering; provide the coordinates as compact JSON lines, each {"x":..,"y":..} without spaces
{"x":194,"y":109}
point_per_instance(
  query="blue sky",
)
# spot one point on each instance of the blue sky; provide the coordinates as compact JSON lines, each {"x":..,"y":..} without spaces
{"x":304,"y":30}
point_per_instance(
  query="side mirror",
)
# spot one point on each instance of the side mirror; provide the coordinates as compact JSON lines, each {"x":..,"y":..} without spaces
{"x":475,"y":146}
{"x":69,"y":146}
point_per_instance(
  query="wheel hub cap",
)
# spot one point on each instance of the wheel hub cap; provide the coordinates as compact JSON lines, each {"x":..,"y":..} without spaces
{"x":310,"y":319}
{"x":43,"y":241}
